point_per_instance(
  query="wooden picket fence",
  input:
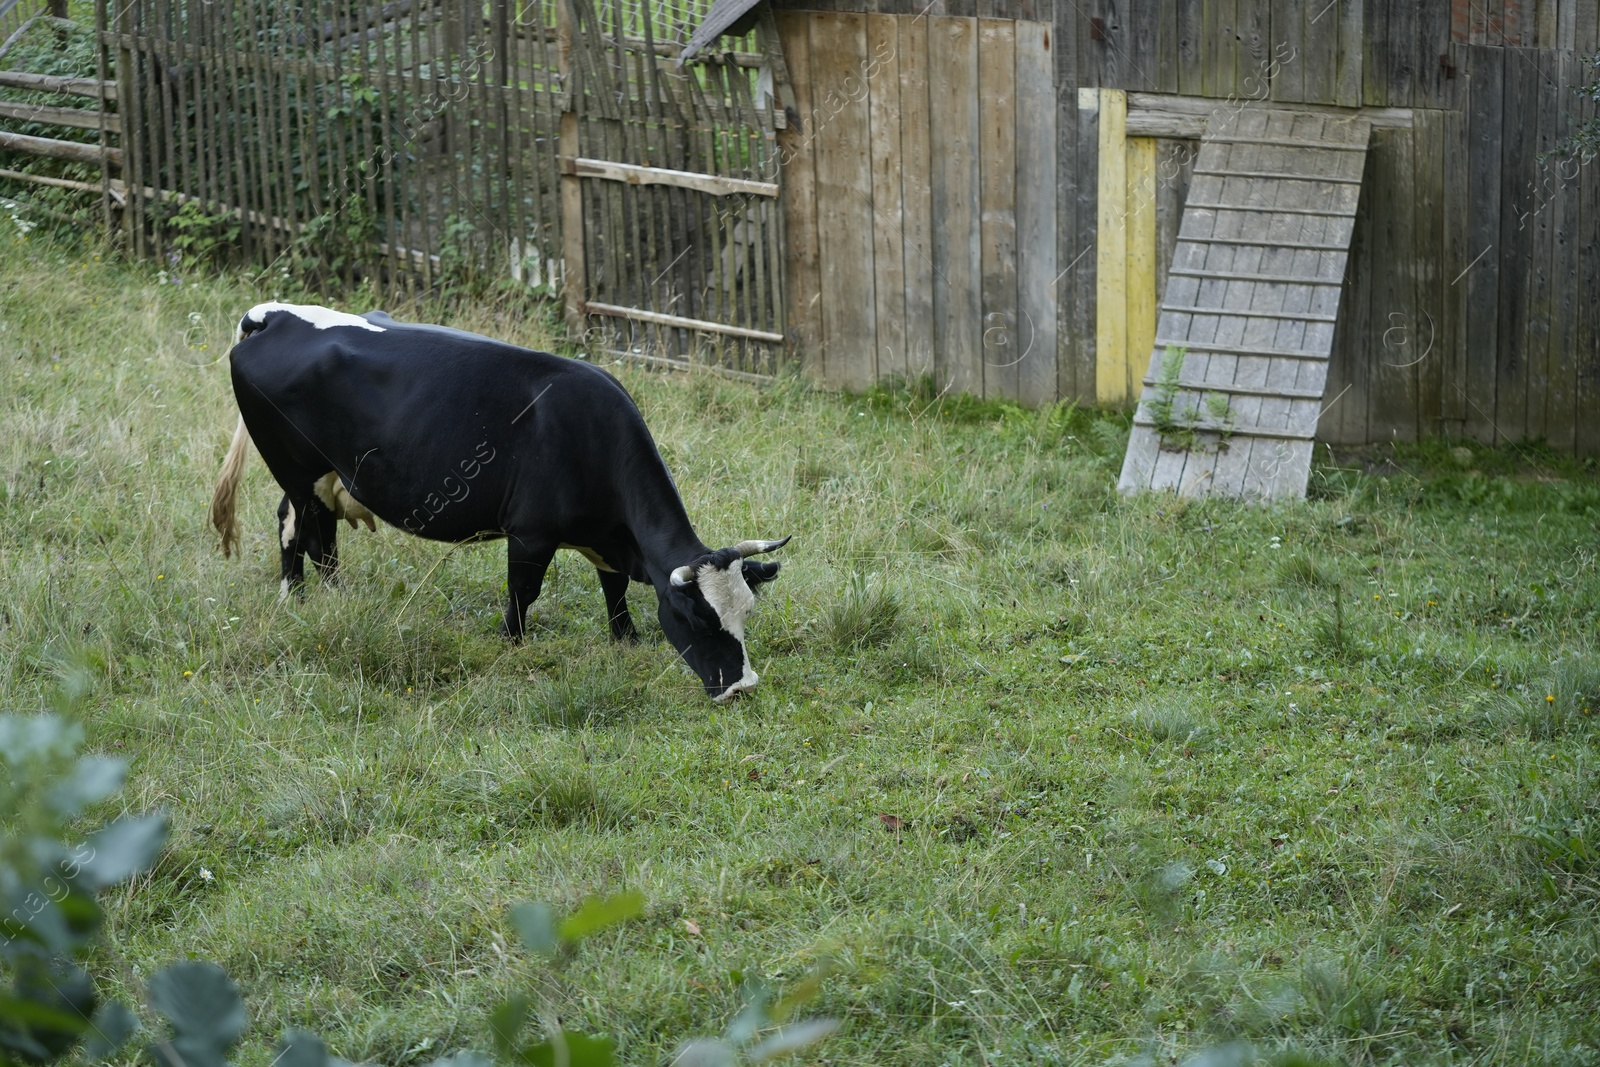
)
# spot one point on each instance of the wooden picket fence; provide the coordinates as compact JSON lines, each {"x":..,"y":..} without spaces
{"x":415,"y":142}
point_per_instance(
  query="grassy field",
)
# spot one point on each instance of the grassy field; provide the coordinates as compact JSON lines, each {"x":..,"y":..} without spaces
{"x":1037,"y":774}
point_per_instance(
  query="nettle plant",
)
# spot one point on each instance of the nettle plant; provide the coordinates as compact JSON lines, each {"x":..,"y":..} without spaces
{"x":50,"y":922}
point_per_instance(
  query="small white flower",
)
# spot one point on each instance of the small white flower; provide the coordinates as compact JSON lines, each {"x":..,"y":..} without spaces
{"x":206,"y":876}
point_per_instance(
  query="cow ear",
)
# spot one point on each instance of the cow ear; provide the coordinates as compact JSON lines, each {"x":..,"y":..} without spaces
{"x":756,"y":572}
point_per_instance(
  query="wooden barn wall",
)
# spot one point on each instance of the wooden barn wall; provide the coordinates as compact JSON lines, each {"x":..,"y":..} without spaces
{"x":1393,"y":53}
{"x":1469,"y":308}
{"x":921,"y":202}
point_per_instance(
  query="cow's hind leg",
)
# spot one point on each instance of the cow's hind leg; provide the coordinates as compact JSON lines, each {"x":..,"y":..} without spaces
{"x":615,"y":586}
{"x":526,"y":562}
{"x":306,"y":528}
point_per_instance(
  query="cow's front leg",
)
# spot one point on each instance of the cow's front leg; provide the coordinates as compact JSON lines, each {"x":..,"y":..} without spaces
{"x":615,"y":587}
{"x":526,"y":562}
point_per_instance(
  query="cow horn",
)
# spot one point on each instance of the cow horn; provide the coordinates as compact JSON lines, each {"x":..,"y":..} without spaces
{"x":753,"y":548}
{"x":683,"y":576}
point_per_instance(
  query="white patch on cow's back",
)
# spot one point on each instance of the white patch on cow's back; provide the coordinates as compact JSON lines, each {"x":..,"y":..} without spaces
{"x":320,"y":317}
{"x":286,"y":536}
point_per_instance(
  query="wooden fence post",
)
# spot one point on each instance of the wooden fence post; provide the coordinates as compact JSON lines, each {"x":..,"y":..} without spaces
{"x":572,"y":267}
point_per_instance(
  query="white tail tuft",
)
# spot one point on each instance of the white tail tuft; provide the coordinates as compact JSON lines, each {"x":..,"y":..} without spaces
{"x":224,"y":502}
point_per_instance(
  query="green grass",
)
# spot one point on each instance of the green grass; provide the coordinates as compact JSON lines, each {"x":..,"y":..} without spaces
{"x":1165,"y":774}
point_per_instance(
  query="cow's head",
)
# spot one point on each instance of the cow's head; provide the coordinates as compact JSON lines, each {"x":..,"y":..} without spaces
{"x":703,"y":612}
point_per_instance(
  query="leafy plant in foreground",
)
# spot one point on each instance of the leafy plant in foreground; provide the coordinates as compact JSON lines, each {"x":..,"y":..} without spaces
{"x":51,"y":922}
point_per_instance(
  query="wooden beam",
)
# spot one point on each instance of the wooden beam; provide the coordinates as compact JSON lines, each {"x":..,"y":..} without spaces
{"x":54,"y":83}
{"x":79,"y":118}
{"x":44,"y":179}
{"x":76,"y":151}
{"x":692,"y":368}
{"x":656,"y":317}
{"x":683,"y":179}
{"x":1185,"y":117}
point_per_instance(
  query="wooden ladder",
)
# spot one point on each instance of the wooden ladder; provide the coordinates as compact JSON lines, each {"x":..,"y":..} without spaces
{"x":1251,"y":302}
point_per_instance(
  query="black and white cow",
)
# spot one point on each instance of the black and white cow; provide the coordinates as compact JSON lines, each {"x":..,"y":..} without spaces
{"x":457,"y":437}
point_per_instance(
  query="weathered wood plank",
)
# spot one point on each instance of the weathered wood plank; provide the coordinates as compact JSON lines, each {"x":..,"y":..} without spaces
{"x":844,"y":210}
{"x":1036,"y":217}
{"x":802,"y":284}
{"x":1141,"y":237}
{"x":1586,"y":26}
{"x":1070,"y":272}
{"x":1066,"y":22}
{"x":1518,"y":205}
{"x":953,"y":80}
{"x":1168,"y":28}
{"x":1350,"y":76}
{"x":916,"y":191}
{"x":1190,"y":36}
{"x":1319,"y":53}
{"x":1401,"y":46}
{"x":1453,"y":321}
{"x":1561,"y":411}
{"x":1394,"y":374}
{"x":1433,"y":85}
{"x":1111,"y":258}
{"x":997,"y":199}
{"x":888,"y":208}
{"x":1252,"y":29}
{"x":1586,"y":346}
{"x":1375,"y":52}
{"x":1286,"y":37}
{"x":1485,"y":109}
{"x":1427,"y":263}
{"x":1541,"y":229}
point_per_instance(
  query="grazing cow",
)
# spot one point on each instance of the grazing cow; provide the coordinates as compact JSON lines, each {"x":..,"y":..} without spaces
{"x":457,"y":437}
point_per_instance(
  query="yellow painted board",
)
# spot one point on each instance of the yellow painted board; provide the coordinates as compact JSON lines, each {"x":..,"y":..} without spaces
{"x":1141,"y":276}
{"x":1111,"y":254}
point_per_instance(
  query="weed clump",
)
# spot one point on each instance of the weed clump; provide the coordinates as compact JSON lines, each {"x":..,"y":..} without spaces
{"x":1305,"y":572}
{"x":866,"y":616}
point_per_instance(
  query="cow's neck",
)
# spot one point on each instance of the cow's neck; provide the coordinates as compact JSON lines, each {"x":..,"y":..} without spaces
{"x":661,"y":527}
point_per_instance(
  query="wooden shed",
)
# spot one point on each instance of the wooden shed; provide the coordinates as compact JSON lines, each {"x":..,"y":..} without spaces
{"x":1026,"y":198}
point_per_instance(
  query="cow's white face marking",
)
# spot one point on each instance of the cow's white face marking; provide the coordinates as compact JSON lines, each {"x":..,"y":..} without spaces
{"x":730,"y":597}
{"x":320,"y":317}
{"x":746,"y":682}
{"x":287,"y":536}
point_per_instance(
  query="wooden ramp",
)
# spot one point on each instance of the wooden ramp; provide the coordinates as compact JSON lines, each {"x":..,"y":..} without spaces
{"x":1251,"y":302}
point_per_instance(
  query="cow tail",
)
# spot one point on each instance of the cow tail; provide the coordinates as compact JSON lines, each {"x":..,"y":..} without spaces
{"x":224,"y":502}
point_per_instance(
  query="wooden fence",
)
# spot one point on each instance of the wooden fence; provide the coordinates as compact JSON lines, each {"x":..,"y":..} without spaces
{"x":670,"y":202}
{"x":557,"y":141}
